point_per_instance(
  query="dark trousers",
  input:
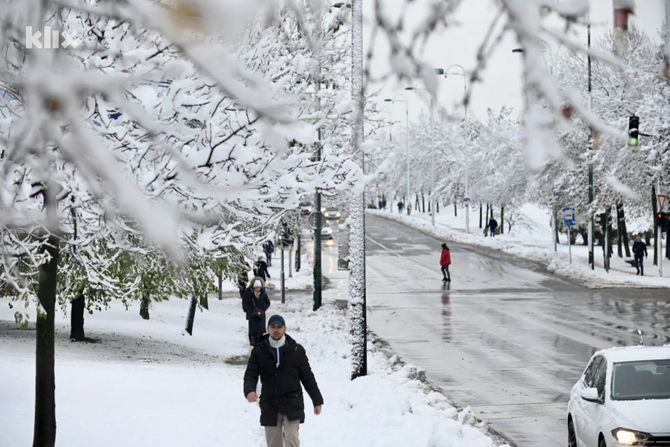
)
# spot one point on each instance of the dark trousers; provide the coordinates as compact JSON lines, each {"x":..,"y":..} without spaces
{"x":638,"y":265}
{"x":256,"y":330}
{"x":268,"y":259}
{"x":445,"y":273}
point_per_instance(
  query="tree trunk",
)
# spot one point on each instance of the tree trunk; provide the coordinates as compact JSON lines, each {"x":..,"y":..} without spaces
{"x":502,"y":219}
{"x":624,"y":231}
{"x":480,"y":216}
{"x":555,"y":217}
{"x":667,"y":241}
{"x":44,"y":434}
{"x":656,"y":233}
{"x":204,"y":301}
{"x":423,"y":202}
{"x":437,"y":206}
{"x":298,"y":252}
{"x":220,"y":284}
{"x":144,"y":306}
{"x":77,"y":318}
{"x":190,"y":318}
{"x":455,"y":210}
{"x":429,"y":201}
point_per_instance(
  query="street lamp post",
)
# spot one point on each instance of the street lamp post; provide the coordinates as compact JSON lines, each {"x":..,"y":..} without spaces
{"x":445,"y":72}
{"x":406,"y":144}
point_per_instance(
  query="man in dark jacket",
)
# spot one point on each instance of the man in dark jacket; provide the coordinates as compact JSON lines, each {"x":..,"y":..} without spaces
{"x":261,"y":269}
{"x":268,"y":249}
{"x":639,"y":251}
{"x":282,"y":365}
{"x":493,"y":226}
{"x":255,"y":302}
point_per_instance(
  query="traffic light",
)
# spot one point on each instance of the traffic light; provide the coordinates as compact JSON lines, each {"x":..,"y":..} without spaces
{"x":601,"y":219}
{"x":633,"y":130}
{"x":662,"y":219}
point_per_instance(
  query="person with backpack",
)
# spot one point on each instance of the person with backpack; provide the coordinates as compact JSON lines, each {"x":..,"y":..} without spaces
{"x":445,"y":262}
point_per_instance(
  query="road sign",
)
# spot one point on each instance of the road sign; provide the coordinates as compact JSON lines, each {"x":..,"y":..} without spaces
{"x":662,"y":201}
{"x":466,"y":200}
{"x":569,"y":217}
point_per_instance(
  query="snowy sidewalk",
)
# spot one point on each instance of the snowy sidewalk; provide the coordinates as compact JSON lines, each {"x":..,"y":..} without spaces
{"x":531,"y":238}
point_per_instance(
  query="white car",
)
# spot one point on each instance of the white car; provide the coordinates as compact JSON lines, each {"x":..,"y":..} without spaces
{"x":622,"y":399}
{"x":331,"y":213}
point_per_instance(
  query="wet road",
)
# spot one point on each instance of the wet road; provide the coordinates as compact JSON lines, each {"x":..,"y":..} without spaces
{"x":505,"y":338}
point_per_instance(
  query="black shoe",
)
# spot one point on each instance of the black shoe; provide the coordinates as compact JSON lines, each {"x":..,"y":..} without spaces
{"x":448,"y":279}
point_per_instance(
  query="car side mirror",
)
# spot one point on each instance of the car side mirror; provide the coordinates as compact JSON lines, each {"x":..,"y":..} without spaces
{"x":591,"y":395}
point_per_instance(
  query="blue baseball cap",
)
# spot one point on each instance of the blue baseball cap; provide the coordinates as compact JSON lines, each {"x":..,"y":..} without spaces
{"x":276,"y":319}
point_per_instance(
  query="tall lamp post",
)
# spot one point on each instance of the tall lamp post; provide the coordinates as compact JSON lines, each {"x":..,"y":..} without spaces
{"x":392,"y":100}
{"x":446,"y":72}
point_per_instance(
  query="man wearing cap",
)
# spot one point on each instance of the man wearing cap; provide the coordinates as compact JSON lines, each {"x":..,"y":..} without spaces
{"x":282,"y":365}
{"x":255,"y":302}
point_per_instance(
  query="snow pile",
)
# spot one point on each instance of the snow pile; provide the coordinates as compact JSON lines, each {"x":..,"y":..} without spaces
{"x":147,"y":383}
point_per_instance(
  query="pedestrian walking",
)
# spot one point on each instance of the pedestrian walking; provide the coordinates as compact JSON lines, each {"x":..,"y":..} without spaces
{"x":282,"y":365}
{"x":242,"y":278}
{"x":255,"y":302}
{"x":639,"y":251}
{"x":261,"y":269}
{"x":268,"y":249}
{"x":493,"y":226}
{"x":445,"y":262}
{"x":400,"y":207}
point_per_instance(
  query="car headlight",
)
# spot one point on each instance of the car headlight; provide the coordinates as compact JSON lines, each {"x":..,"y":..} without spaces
{"x":629,"y":437}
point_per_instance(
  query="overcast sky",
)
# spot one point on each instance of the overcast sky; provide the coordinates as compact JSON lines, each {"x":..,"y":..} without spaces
{"x":502,"y":80}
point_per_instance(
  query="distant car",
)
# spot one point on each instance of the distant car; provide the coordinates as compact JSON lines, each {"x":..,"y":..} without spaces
{"x":305,"y":208}
{"x":326,"y":232}
{"x":331,"y":212}
{"x":622,"y":399}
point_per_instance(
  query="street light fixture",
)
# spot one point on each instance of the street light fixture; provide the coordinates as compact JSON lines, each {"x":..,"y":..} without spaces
{"x":406,"y":144}
{"x":446,"y":72}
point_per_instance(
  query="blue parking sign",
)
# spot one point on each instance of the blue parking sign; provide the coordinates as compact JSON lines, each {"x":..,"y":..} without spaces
{"x":569,"y":217}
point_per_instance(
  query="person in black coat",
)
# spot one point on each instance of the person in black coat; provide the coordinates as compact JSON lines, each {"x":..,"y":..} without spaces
{"x":639,"y":251}
{"x":268,"y":249}
{"x":255,"y":302}
{"x":282,"y":365}
{"x":261,"y":269}
{"x":493,"y":226}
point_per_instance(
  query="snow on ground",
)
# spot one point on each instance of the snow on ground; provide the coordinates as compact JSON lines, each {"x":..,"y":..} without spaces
{"x":531,"y":238}
{"x":300,"y":280}
{"x":149,"y":383}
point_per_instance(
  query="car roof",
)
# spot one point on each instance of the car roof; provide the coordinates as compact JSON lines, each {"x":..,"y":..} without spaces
{"x":634,"y":353}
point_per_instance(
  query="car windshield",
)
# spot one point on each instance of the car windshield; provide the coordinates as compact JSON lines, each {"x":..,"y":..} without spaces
{"x":331,"y":209}
{"x":648,"y":379}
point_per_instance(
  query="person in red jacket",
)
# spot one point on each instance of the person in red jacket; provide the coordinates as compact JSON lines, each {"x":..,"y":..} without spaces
{"x":445,"y":260}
